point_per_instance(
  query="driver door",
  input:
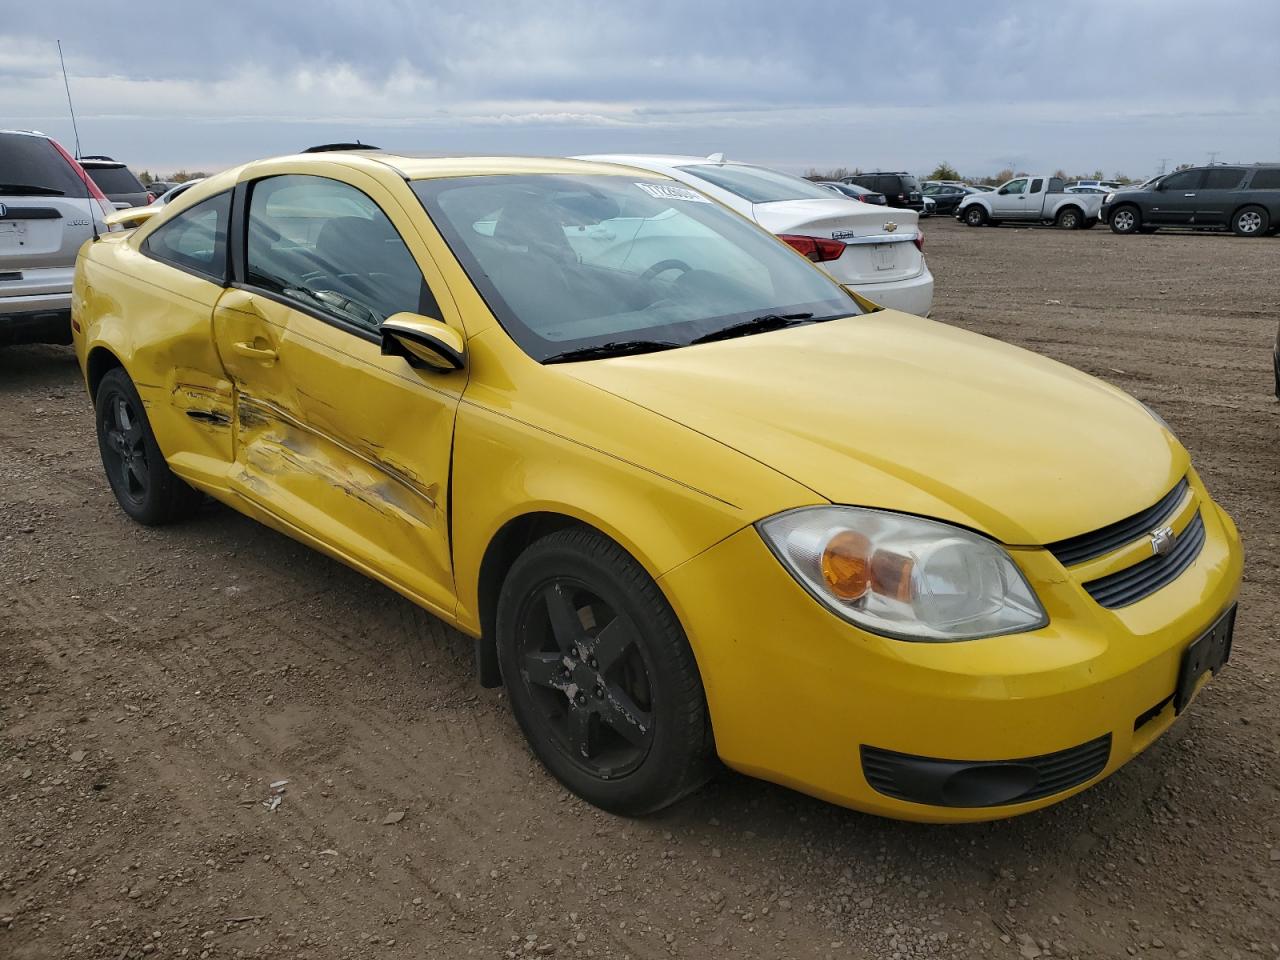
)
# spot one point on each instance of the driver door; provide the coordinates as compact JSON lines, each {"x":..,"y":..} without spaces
{"x":333,"y":440}
{"x":1010,"y":201}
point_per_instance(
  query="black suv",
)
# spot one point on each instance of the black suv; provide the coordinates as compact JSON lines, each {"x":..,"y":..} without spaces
{"x":1244,"y":198}
{"x":901,"y":190}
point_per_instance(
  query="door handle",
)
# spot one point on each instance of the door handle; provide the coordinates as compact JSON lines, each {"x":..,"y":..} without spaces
{"x":1188,"y":194}
{"x":246,"y":349}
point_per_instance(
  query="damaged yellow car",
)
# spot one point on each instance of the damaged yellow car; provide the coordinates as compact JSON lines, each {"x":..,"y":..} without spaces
{"x":692,"y":498}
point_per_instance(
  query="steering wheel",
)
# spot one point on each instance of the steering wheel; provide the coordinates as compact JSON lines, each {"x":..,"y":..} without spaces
{"x":662,"y":266}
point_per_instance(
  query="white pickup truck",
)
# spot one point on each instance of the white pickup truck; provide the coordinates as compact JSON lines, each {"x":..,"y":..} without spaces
{"x":1036,"y":199}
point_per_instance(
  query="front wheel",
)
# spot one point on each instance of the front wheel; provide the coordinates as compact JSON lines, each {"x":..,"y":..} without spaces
{"x":601,"y":677}
{"x":146,"y":489}
{"x":975,"y":216}
{"x":1251,"y":222}
{"x":1126,"y":220}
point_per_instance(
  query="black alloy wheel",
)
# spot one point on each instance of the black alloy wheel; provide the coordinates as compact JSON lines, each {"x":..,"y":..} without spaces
{"x":124,"y":455}
{"x":146,"y":489}
{"x":601,"y":677}
{"x":585,"y":672}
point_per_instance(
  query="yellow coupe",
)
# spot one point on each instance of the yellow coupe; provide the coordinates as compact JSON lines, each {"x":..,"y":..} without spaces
{"x":691,"y":497}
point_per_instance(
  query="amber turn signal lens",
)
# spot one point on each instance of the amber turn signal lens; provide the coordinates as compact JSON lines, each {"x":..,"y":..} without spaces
{"x":846,"y":565}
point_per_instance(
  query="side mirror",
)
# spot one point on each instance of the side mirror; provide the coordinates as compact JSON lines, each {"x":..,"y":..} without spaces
{"x":424,"y":342}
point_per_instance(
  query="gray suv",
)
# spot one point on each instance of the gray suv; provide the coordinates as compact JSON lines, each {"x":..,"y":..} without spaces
{"x":48,"y":207}
{"x":1244,"y":199}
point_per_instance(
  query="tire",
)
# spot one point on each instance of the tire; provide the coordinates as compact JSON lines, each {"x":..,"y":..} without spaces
{"x":615,"y":711}
{"x":146,"y":489}
{"x":1069,"y":218}
{"x":1126,"y":219}
{"x":975,"y":216}
{"x":1251,"y":222}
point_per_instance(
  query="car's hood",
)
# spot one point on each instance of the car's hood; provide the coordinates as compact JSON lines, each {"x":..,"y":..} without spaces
{"x":822,"y":218}
{"x":897,"y":412}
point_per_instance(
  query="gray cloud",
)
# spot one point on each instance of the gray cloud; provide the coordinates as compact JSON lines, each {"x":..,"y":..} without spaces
{"x":1082,"y":83}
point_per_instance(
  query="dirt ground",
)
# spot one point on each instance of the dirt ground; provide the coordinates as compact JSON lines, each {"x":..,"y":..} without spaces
{"x":154,"y":684}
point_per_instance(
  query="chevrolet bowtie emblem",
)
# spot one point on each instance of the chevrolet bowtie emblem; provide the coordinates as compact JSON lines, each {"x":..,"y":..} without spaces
{"x":890,"y":227}
{"x":1163,"y":541}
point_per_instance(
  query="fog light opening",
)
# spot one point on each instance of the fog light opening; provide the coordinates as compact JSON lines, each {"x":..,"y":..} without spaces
{"x":989,"y":784}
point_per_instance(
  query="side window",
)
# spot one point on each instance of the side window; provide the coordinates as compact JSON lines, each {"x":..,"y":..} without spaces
{"x":1036,"y":185}
{"x":1223,"y":178}
{"x":1014,"y":187}
{"x":1183,"y":180}
{"x":1266,"y":179}
{"x":328,"y":247}
{"x":195,"y":240}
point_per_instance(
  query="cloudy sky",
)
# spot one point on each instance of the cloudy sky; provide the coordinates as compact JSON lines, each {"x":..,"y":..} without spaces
{"x":984,"y":84}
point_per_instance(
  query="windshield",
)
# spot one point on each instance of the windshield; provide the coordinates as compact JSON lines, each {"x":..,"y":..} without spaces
{"x":573,"y":262}
{"x":757,"y":184}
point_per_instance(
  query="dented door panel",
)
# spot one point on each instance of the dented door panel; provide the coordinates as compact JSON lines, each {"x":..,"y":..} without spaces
{"x":343,"y":443}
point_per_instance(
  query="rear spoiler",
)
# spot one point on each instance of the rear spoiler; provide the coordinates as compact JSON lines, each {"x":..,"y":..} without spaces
{"x":131,"y":217}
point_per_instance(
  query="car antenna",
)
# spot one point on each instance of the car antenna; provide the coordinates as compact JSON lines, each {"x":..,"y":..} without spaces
{"x":88,"y":194}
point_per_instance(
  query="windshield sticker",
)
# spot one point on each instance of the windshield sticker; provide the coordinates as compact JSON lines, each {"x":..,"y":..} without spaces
{"x":666,"y":191}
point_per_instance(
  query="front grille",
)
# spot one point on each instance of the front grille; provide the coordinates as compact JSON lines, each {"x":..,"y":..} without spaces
{"x":925,"y":780}
{"x":1086,"y":546}
{"x":1146,"y":577}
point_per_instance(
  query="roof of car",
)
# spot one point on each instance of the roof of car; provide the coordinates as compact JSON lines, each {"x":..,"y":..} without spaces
{"x":423,"y":167}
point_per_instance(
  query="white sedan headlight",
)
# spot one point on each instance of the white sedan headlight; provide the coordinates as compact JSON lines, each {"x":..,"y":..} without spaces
{"x":904,"y":577}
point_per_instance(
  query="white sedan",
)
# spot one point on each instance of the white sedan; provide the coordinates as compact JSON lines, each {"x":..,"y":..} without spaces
{"x":876,"y":250}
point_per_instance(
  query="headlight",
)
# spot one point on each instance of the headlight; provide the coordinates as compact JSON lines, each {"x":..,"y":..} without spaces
{"x":902,"y":576}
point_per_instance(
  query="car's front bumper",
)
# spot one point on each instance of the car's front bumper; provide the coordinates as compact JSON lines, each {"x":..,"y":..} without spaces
{"x":796,"y":693}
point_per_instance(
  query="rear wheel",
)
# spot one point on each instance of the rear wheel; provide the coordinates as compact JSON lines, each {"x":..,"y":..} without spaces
{"x":975,"y":216}
{"x":1069,"y":218}
{"x":601,"y":677}
{"x":1251,"y":222}
{"x":1126,"y":219}
{"x":146,"y":489}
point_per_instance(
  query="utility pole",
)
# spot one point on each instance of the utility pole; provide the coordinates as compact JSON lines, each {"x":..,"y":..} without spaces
{"x":1164,"y":163}
{"x":1213,"y":157}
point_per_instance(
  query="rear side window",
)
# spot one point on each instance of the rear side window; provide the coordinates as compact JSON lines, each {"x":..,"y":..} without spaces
{"x":1268,"y":179}
{"x":1036,"y":185}
{"x":32,"y":166}
{"x":328,"y":247}
{"x":758,"y":184}
{"x":195,"y":240}
{"x":1223,"y":178}
{"x":115,"y":180}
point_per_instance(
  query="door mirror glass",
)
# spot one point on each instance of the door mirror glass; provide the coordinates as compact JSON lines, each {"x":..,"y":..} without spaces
{"x":424,"y":342}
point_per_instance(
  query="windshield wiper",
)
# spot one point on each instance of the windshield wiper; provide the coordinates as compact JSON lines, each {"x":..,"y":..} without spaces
{"x":614,"y":348}
{"x":760,"y":324}
{"x":17,"y":189}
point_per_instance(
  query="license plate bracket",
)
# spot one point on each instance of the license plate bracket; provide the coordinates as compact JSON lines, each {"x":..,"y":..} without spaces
{"x":1207,"y":653}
